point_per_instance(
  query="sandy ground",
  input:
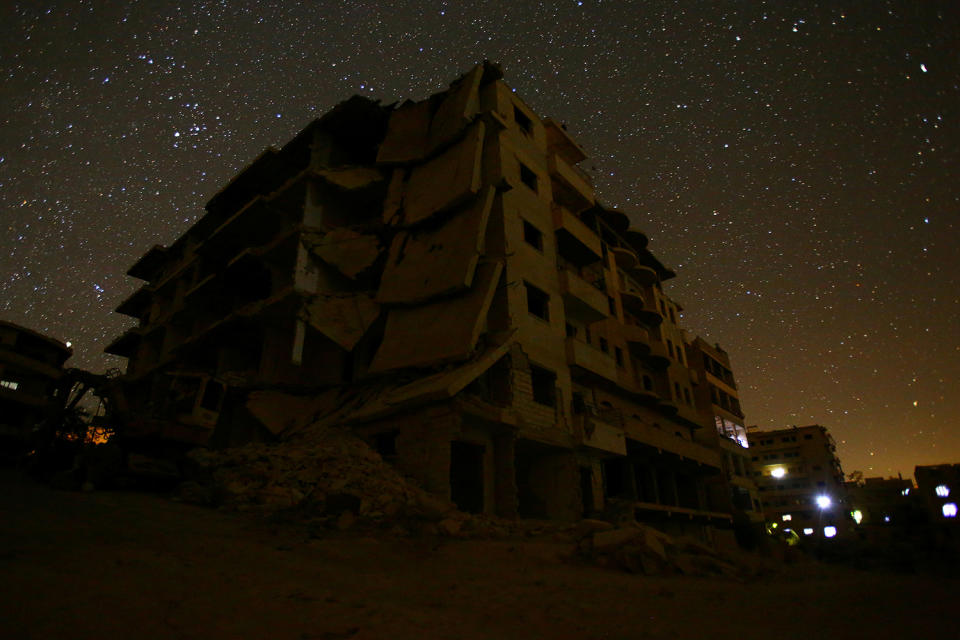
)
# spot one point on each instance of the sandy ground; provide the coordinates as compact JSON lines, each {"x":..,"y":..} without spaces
{"x":127,"y":565}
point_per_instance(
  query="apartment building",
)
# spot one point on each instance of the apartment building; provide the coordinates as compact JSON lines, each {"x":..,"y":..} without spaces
{"x":719,"y":401}
{"x":800,"y":480}
{"x":31,"y":364}
{"x":439,"y":276}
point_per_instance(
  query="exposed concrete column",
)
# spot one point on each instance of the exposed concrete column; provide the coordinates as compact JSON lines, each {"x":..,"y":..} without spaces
{"x":654,"y":482}
{"x":671,"y":488}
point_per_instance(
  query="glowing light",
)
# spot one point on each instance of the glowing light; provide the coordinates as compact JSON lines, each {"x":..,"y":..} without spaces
{"x":69,"y":344}
{"x":905,"y":492}
{"x":787,"y":517}
{"x":808,"y":531}
{"x":886,"y":518}
{"x":779,"y":472}
{"x":942,"y":490}
{"x":923,"y":68}
{"x":857,"y":516}
{"x":950,"y":510}
{"x":824,"y":502}
{"x":829,"y":532}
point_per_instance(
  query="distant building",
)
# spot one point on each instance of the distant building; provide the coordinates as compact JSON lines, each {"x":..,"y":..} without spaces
{"x":880,"y":501}
{"x":800,"y":480}
{"x":439,"y":276}
{"x":31,"y":364}
{"x":938,"y":488}
{"x":718,"y":400}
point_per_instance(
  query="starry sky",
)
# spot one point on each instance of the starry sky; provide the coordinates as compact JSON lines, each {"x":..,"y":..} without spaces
{"x":795,"y":162}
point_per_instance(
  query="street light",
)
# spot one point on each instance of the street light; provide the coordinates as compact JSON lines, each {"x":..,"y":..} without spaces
{"x":824,"y":502}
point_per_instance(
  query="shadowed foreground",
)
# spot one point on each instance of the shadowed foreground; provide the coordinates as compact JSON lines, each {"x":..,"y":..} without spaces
{"x":126,"y":565}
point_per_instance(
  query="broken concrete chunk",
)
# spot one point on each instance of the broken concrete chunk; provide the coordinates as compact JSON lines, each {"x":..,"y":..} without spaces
{"x":451,"y":326}
{"x":344,"y":318}
{"x":407,"y":131}
{"x":447,"y":180}
{"x":348,"y":251}
{"x":604,"y":540}
{"x":460,"y":106}
{"x":351,"y":178}
{"x":426,"y":264}
{"x":280,"y":412}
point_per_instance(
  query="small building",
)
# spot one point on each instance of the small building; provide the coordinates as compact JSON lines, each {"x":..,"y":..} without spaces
{"x":440,"y":276}
{"x":800,"y":480}
{"x":31,"y":364}
{"x":880,"y":501}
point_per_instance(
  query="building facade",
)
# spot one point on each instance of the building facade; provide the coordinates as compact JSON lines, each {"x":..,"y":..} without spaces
{"x":717,"y":396}
{"x":800,"y":480}
{"x":31,"y":364}
{"x":440,"y":276}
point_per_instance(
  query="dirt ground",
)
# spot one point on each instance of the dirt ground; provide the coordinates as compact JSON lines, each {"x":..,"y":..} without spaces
{"x":128,"y":565}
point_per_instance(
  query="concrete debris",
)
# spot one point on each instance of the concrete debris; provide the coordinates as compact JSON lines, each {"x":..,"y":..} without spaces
{"x":281,"y":412}
{"x":393,"y":201}
{"x":344,"y":318}
{"x":348,"y":251}
{"x":459,"y":107}
{"x":425,"y":264}
{"x":638,"y":548}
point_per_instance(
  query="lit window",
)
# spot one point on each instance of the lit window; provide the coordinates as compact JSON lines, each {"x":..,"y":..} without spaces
{"x":829,"y":532}
{"x":886,"y":518}
{"x":808,"y":531}
{"x":950,"y":510}
{"x":778,"y":472}
{"x":787,"y":517}
{"x":824,"y":502}
{"x":942,"y":490}
{"x":9,"y":384}
{"x":857,"y":516}
{"x":905,"y":492}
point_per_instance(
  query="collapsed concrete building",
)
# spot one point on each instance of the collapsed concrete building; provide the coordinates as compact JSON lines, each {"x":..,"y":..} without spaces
{"x":439,"y":276}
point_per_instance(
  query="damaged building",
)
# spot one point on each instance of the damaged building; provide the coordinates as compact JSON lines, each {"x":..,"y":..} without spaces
{"x":439,"y":276}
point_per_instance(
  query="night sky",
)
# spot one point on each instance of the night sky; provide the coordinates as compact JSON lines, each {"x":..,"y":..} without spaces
{"x":796,"y":164}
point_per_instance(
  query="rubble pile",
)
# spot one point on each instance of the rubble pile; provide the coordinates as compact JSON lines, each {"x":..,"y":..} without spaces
{"x":331,"y":474}
{"x":637,"y":548}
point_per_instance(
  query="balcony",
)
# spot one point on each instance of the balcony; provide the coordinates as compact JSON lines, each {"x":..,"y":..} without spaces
{"x":148,"y":266}
{"x":576,"y":242}
{"x":581,"y":299}
{"x":635,"y":304}
{"x":596,"y":434}
{"x":644,"y":275}
{"x":638,"y":340}
{"x":666,"y":441}
{"x":657,"y":358}
{"x":585,"y":357}
{"x":561,"y":143}
{"x":137,"y":304}
{"x":626,"y":258}
{"x":571,"y":188}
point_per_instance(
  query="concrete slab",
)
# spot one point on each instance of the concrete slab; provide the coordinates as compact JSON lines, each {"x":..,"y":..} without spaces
{"x":348,"y":251}
{"x":407,"y":133}
{"x":351,"y":178}
{"x":440,"y":332}
{"x":460,"y":106}
{"x":447,"y":180}
{"x":344,"y":318}
{"x":425,"y":264}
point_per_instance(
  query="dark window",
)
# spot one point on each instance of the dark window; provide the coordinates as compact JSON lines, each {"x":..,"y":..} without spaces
{"x":613,"y":305}
{"x":604,"y":346}
{"x":532,"y":236}
{"x":673,"y":318}
{"x":211,"y":396}
{"x":618,"y":354}
{"x":525,"y":124}
{"x":686,"y":396}
{"x":528,"y":177}
{"x":663,"y":308}
{"x":544,"y":384}
{"x":538,"y":302}
{"x":586,"y":334}
{"x":807,"y":436}
{"x":578,"y":404}
{"x":676,"y":390}
{"x":647,"y":383}
{"x":571,"y":331}
{"x":670,"y":348}
{"x":386,"y":443}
